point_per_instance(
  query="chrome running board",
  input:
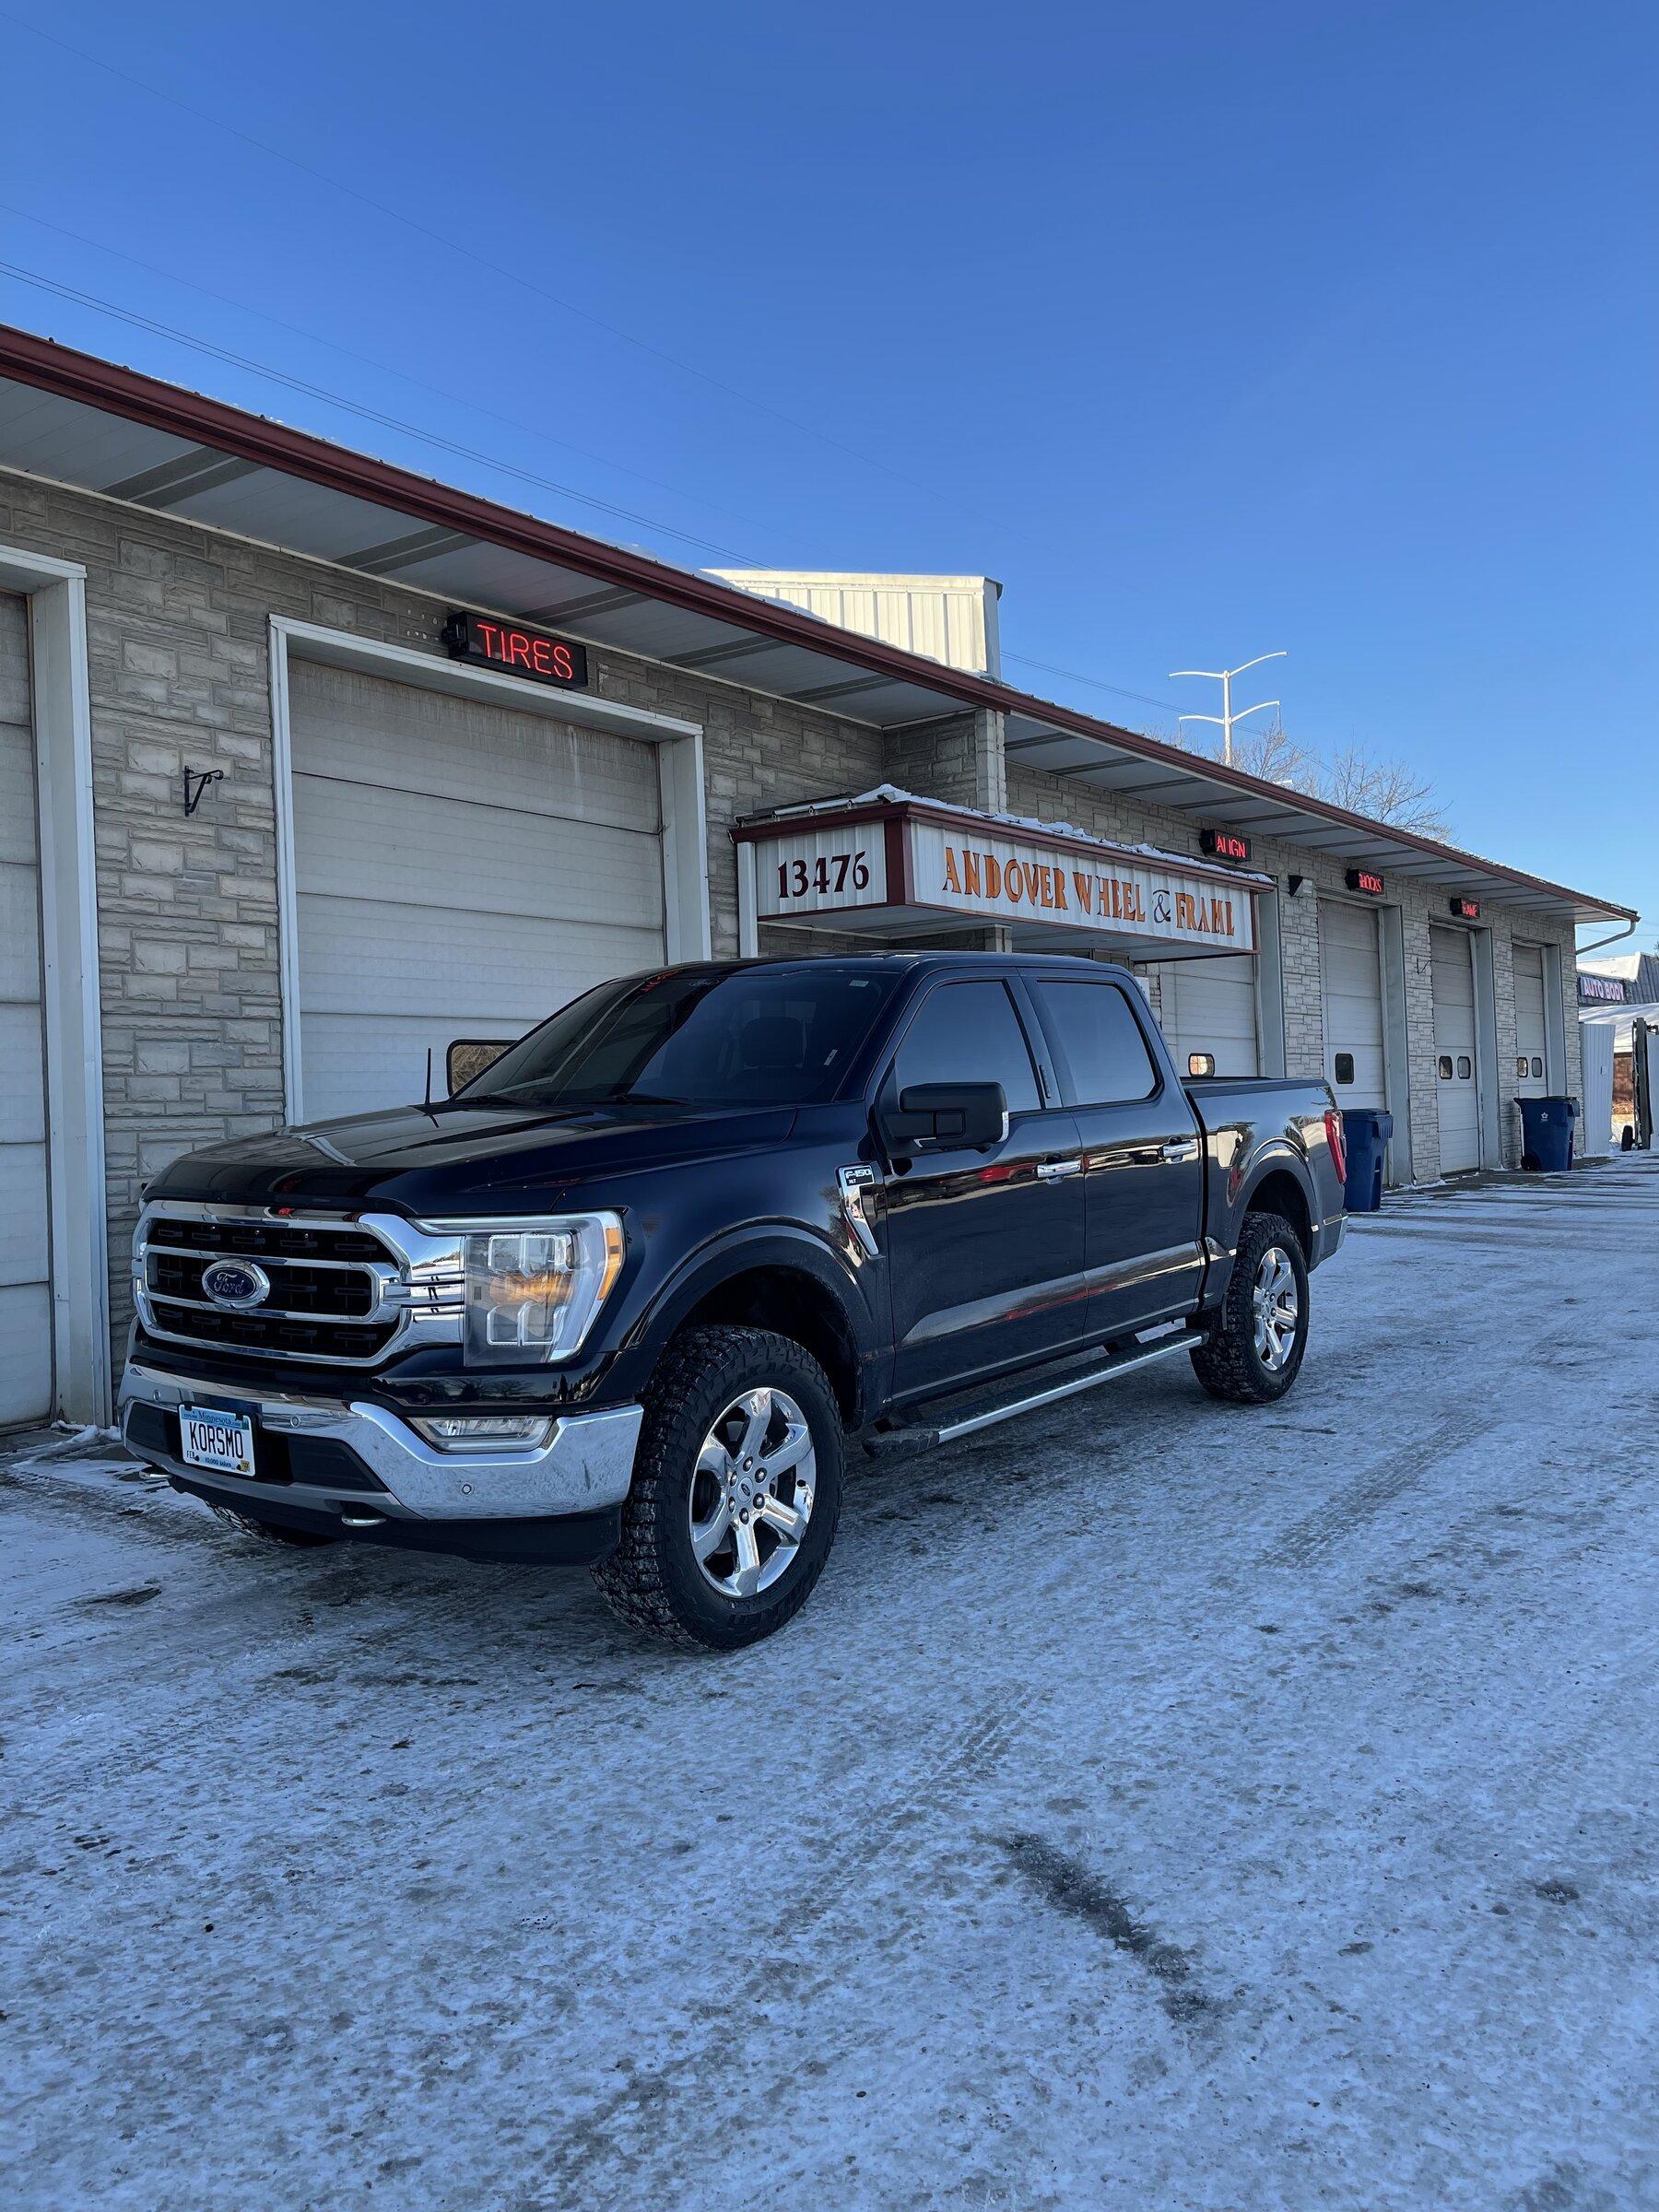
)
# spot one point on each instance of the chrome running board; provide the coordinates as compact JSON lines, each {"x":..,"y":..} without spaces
{"x":970,"y":1414}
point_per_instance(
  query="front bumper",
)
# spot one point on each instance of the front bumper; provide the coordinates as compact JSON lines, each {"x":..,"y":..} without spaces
{"x":584,"y":1467}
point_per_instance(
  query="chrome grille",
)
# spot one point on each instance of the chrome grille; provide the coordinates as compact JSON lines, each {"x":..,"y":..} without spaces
{"x":264,"y":1240}
{"x":335,"y":1293}
{"x":344,"y":1290}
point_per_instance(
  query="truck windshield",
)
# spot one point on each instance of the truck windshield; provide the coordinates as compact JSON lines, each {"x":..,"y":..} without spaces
{"x":694,"y":1037}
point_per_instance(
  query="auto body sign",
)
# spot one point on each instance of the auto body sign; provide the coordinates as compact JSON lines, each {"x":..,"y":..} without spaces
{"x":967,"y":866}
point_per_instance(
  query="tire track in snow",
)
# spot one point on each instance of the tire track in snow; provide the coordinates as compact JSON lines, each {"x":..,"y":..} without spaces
{"x":1361,"y":1501}
{"x":672,"y":2098}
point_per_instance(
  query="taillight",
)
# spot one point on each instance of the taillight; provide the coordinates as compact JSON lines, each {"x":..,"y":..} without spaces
{"x":1332,"y":1122}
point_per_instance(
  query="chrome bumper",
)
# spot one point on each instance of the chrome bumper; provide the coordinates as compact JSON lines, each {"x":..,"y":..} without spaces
{"x":585,"y":1465}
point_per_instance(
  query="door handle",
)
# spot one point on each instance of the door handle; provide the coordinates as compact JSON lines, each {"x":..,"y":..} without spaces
{"x":1051,"y":1170}
{"x":1182,"y":1149}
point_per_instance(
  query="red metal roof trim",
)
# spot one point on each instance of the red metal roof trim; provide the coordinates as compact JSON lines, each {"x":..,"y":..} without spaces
{"x":184,"y":413}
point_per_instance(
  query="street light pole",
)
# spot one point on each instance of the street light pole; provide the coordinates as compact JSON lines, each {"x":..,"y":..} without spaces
{"x":1226,"y":719}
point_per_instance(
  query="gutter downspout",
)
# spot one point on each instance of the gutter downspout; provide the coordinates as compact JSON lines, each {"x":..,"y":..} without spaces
{"x":1598,"y":944}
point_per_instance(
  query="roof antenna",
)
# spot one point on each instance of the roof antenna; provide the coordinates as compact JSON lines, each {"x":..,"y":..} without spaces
{"x":429,"y":1081}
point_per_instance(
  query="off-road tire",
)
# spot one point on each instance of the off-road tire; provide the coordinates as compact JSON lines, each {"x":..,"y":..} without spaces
{"x":1226,"y":1362}
{"x":269,"y":1532}
{"x":652,"y":1580}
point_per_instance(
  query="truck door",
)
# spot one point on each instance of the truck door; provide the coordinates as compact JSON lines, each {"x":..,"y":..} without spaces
{"x":1143,"y":1156}
{"x":986,"y":1249}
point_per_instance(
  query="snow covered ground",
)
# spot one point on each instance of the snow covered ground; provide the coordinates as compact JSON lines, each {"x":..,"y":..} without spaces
{"x":1159,"y":1806}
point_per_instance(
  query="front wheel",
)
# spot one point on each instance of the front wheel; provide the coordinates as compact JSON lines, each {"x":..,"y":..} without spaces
{"x":1254,"y":1352}
{"x":736,"y":1493}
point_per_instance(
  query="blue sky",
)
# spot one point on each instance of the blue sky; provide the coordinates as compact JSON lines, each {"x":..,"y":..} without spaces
{"x":1208,"y":330}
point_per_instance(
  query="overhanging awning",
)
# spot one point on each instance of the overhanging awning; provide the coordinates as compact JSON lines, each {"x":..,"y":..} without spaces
{"x":888,"y":864}
{"x":73,"y":419}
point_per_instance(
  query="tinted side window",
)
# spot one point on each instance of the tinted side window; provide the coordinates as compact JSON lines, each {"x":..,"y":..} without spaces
{"x":969,"y":1033}
{"x":1101,"y":1039}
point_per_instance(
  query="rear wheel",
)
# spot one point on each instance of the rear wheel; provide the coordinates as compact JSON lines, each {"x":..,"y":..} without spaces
{"x":270,"y":1532}
{"x":736,"y":1493}
{"x":1254,"y":1352}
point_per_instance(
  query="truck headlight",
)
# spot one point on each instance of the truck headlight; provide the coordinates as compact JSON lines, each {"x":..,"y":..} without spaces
{"x":531,"y":1293}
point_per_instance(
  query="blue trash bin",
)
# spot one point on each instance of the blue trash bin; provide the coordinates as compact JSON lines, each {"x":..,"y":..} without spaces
{"x":1365,"y":1134}
{"x":1546,"y":1134}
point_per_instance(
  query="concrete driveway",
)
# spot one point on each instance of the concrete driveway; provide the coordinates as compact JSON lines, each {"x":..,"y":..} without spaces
{"x":1160,"y":1804}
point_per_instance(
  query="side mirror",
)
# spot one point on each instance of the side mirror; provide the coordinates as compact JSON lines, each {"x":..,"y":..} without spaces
{"x":972,"y":1115}
{"x":1201,"y":1064}
{"x":469,"y":1056}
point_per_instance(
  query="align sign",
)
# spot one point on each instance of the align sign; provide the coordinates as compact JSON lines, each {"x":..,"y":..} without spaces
{"x":516,"y":651}
{"x":906,"y":860}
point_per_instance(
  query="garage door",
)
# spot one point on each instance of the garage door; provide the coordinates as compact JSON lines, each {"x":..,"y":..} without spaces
{"x":1532,"y":1036}
{"x":1209,"y":1006}
{"x":461,"y":870}
{"x":25,"y":1262}
{"x":1456,"y":1060}
{"x":1350,"y":963}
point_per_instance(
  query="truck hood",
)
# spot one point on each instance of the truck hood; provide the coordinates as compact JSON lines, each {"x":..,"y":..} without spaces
{"x":455,"y":1158}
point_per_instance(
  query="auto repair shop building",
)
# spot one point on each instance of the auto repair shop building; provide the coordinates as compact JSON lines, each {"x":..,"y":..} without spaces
{"x":310,"y":765}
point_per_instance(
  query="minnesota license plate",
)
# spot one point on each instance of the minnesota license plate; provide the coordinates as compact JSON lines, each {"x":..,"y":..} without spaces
{"x":209,"y":1438}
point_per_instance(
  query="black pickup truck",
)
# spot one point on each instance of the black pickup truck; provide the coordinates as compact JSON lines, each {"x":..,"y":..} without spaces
{"x":626,"y":1296}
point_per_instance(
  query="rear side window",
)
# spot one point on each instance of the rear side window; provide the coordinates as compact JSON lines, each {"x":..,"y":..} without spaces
{"x":1101,"y":1042}
{"x":969,"y":1033}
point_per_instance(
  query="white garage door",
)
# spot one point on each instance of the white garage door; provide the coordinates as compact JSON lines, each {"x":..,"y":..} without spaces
{"x":463,"y":870}
{"x":1351,"y":962}
{"x":1532,"y":1036}
{"x":1209,"y":1006}
{"x":1456,"y":1059}
{"x":25,"y":1251}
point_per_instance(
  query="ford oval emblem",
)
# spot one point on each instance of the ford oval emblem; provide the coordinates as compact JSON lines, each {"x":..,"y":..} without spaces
{"x":236,"y":1284}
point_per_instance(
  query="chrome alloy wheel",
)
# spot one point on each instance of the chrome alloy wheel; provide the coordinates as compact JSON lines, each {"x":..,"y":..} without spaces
{"x":751,"y":1492}
{"x":1278,"y":1308}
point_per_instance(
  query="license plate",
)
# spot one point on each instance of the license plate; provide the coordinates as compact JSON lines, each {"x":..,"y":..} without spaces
{"x":209,"y":1438}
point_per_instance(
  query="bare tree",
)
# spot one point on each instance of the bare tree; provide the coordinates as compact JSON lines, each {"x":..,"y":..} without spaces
{"x":1386,"y":791}
{"x":1274,"y":755}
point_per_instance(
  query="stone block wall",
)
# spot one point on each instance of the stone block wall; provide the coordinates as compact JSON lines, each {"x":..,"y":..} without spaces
{"x":179,"y":659}
{"x":960,"y":759}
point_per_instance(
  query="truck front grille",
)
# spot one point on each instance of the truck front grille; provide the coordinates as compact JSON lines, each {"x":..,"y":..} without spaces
{"x":339,"y":1291}
{"x":334,"y":1293}
{"x":263,"y":1239}
{"x":276,"y":1334}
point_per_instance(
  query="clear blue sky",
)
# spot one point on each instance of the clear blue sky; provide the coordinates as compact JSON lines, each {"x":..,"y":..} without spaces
{"x":1207,"y":329}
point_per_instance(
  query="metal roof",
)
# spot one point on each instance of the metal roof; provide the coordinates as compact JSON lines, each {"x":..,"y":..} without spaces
{"x":93,"y":426}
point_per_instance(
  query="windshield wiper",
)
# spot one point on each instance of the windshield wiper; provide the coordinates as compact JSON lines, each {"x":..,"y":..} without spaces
{"x":532,"y":1094}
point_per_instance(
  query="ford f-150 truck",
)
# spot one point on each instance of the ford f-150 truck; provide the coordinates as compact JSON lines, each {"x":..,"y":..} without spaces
{"x":627,"y":1295}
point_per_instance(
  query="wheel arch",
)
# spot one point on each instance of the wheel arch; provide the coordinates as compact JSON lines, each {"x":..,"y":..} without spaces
{"x":1278,"y":1189}
{"x":785,"y":1285}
